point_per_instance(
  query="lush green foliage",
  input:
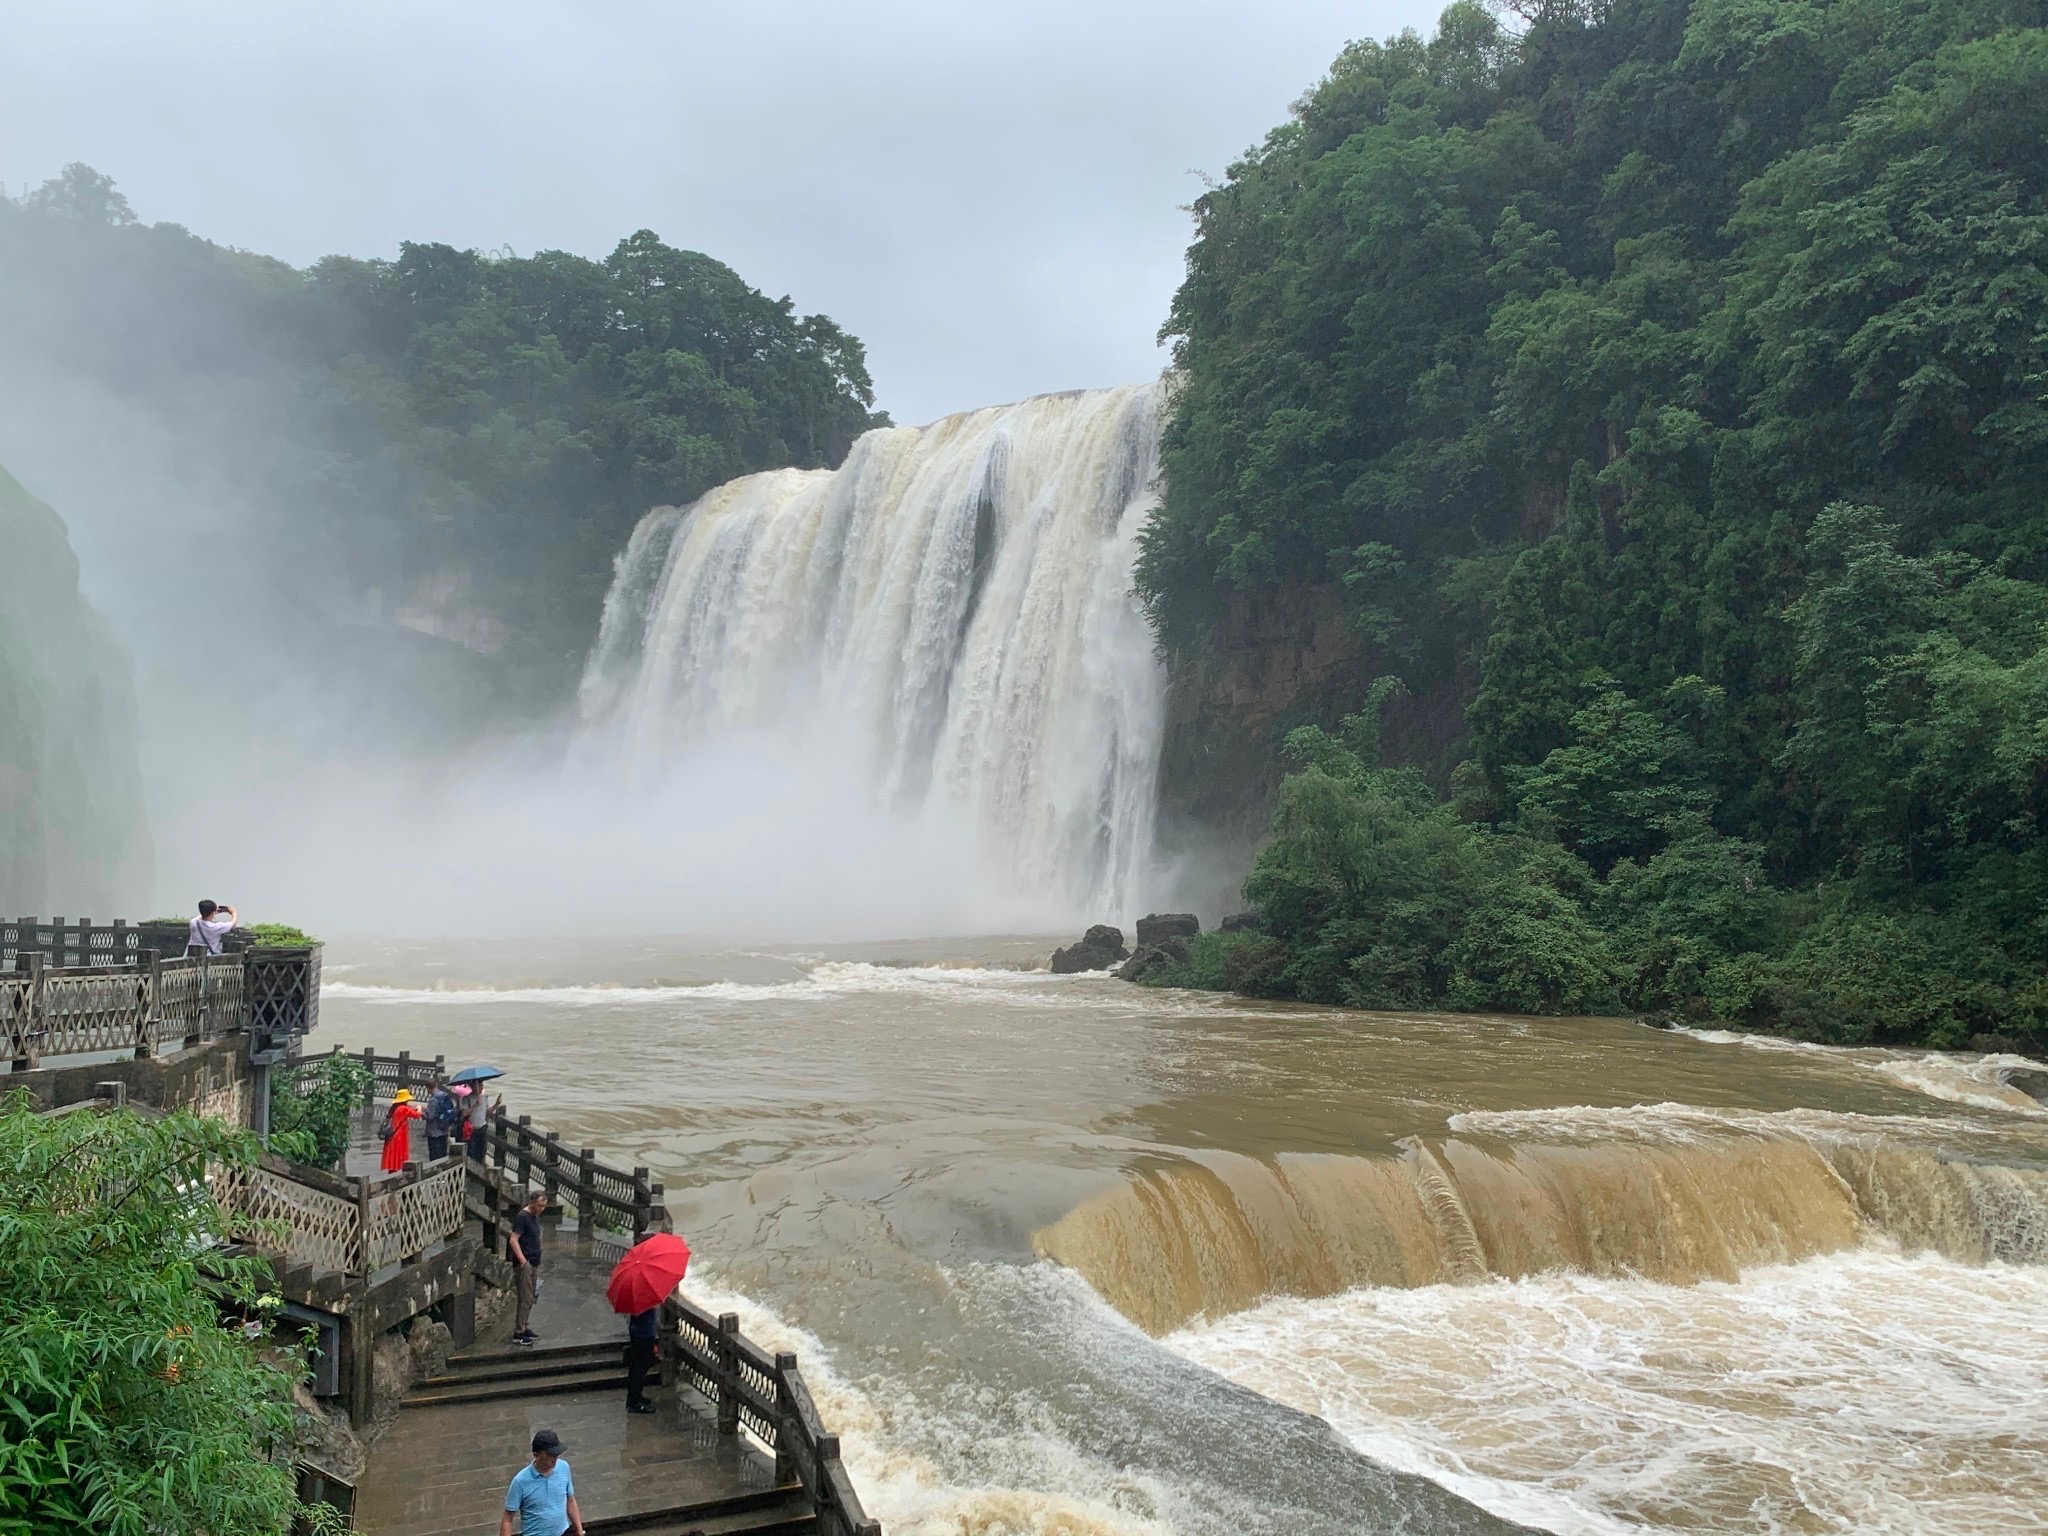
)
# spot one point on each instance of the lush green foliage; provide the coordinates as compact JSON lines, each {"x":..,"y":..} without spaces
{"x":1666,"y":384}
{"x":311,"y":1107}
{"x":280,"y":935}
{"x":129,"y":1408}
{"x":448,"y":428}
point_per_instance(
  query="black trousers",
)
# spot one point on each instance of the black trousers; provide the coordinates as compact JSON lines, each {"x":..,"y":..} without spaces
{"x":639,"y":1366}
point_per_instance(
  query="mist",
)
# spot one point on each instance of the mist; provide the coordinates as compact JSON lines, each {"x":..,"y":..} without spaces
{"x":358,"y":680}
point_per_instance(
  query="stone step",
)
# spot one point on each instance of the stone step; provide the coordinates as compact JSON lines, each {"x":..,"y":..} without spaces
{"x":533,"y":1361}
{"x":770,"y":1512}
{"x":492,"y":1389}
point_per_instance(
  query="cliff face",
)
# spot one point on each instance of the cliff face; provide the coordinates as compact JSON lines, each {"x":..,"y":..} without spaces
{"x":1281,"y":658}
{"x":72,"y":836}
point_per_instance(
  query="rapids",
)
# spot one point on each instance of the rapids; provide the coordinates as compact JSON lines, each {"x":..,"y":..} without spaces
{"x":946,"y":621}
{"x":1034,"y":1235}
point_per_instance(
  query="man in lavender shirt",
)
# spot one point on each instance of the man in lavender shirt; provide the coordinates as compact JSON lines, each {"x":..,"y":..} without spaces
{"x":209,"y":928}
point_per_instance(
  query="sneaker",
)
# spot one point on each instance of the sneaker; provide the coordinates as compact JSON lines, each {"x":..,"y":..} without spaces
{"x":640,"y":1408}
{"x":528,"y":1337}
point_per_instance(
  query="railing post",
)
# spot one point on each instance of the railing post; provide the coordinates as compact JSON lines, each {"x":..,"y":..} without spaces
{"x":405,"y":1070}
{"x":361,"y":1246}
{"x":786,"y":1426}
{"x":551,"y":1170}
{"x":369,"y":1076}
{"x":526,"y":1153}
{"x":33,"y":1020}
{"x":149,"y":982}
{"x":642,"y":1199}
{"x":495,"y":1131}
{"x":728,"y":1373}
{"x":586,"y":1193}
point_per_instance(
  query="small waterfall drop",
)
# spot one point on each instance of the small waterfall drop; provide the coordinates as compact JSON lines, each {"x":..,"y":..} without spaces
{"x":944,"y":626}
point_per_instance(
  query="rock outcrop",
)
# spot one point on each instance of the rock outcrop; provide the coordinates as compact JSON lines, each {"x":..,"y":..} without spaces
{"x":1170,"y":951}
{"x":1100,"y":948}
{"x":71,"y":830}
{"x":1161,"y":926}
{"x":1241,"y":922}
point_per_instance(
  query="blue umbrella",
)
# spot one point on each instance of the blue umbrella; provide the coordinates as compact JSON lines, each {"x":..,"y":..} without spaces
{"x":482,"y":1073}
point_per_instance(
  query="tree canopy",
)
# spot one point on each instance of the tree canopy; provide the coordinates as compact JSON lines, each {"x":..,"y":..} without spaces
{"x":478,"y":422}
{"x":1668,"y":381}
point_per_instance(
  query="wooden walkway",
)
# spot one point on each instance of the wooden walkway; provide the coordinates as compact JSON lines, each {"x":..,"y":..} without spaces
{"x":441,"y":1470}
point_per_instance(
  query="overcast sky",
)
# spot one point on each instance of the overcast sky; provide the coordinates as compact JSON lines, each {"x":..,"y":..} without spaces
{"x":988,"y":194}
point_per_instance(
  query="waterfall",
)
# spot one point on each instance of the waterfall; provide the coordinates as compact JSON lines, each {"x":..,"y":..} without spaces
{"x":946,"y":622}
{"x":1211,"y":1237}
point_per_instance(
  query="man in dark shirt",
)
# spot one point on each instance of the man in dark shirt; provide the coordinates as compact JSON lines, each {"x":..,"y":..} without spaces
{"x":523,"y":1249}
{"x":640,"y":1334}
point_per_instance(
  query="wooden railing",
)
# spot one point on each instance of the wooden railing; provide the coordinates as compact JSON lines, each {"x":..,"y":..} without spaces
{"x":139,"y":1008}
{"x":77,"y":943}
{"x":601,"y":1195}
{"x":765,"y":1395}
{"x":355,"y":1226}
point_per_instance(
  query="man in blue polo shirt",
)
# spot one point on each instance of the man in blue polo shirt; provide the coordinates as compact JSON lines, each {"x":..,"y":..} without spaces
{"x":543,"y":1495}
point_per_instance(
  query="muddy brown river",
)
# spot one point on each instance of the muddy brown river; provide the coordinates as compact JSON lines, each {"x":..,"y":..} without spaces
{"x":1064,"y":1256}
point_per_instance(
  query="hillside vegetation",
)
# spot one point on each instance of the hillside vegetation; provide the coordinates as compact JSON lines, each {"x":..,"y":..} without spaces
{"x":1665,"y":385}
{"x":451,"y":440}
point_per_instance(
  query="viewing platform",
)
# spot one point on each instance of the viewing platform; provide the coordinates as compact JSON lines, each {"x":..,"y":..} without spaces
{"x":95,"y":1015}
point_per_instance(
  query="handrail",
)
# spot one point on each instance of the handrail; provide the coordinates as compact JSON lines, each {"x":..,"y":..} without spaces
{"x":574,"y":1176}
{"x":765,"y":1395}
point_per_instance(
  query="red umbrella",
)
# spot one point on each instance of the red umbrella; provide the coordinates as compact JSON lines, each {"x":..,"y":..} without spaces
{"x":649,"y":1273}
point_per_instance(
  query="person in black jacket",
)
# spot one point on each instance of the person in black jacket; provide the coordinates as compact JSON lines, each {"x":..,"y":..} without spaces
{"x":640,"y":1335}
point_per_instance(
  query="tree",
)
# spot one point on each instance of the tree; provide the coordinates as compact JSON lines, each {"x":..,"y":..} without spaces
{"x":128,"y":1407}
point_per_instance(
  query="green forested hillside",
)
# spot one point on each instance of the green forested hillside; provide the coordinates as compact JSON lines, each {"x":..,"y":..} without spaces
{"x":72,"y":836}
{"x":466,"y":437}
{"x":1665,"y":385}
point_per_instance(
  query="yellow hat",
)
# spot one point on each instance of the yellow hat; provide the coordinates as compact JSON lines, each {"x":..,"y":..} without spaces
{"x":403,"y":1096}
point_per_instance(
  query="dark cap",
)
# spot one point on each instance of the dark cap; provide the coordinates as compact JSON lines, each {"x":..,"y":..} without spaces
{"x":547,"y":1443}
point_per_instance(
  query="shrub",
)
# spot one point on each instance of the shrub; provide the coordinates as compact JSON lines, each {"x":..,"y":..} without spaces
{"x":130,"y":1408}
{"x":312,"y":1105}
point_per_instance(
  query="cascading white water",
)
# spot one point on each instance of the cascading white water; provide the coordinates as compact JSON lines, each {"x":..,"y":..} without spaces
{"x":947,"y":619}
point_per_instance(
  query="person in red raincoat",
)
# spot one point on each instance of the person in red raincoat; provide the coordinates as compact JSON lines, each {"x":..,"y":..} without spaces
{"x":398,"y":1128}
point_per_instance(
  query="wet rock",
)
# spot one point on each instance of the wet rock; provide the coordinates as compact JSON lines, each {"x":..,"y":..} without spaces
{"x":1100,"y":948}
{"x":1241,"y":922}
{"x":1995,"y":1045}
{"x":322,"y":1437}
{"x":431,"y":1344}
{"x":1161,"y":926}
{"x":2030,"y":1082}
{"x":1153,"y":957}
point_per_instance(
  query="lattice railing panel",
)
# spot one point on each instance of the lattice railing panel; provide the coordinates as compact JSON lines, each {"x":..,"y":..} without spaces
{"x":283,"y":991}
{"x":177,"y":1001}
{"x":406,"y":1220}
{"x":14,"y":994}
{"x":226,"y":994}
{"x":323,"y":1229}
{"x":96,"y":1011}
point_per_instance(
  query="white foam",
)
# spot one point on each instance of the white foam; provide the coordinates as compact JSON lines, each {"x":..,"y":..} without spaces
{"x":1978,"y":1081}
{"x":1060,"y":1491}
{"x":581,"y":996}
{"x":1669,"y":1123}
{"x":1859,"y":1392}
{"x":1955,"y":1076}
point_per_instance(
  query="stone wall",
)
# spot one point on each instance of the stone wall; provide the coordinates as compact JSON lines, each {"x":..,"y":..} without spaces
{"x":213,"y":1079}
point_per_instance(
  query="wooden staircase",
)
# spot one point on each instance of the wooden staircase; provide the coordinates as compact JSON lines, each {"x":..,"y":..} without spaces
{"x":523,"y":1370}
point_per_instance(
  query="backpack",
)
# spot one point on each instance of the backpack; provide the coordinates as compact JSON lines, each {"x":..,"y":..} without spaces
{"x":390,"y":1119}
{"x":441,"y":1112}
